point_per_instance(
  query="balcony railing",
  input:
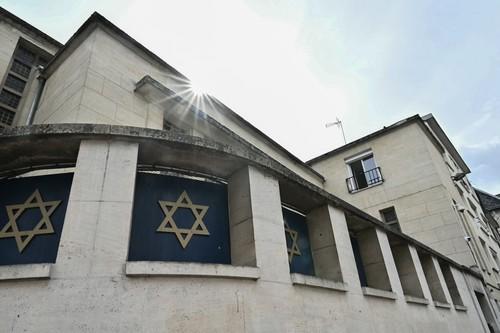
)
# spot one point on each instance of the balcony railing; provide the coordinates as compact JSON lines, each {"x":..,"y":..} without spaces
{"x":365,"y":179}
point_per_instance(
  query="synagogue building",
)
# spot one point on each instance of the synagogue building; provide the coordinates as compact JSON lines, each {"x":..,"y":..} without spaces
{"x":129,"y":204}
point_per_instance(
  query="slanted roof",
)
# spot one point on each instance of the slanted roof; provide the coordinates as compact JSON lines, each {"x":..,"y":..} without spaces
{"x":27,"y":28}
{"x":427,"y":123}
{"x":443,"y":138}
{"x":489,"y":202}
{"x":97,"y":19}
{"x":383,"y":131}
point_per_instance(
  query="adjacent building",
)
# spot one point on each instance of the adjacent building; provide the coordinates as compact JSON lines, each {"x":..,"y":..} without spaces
{"x":129,"y":204}
{"x":411,"y":176}
{"x":491,"y":208}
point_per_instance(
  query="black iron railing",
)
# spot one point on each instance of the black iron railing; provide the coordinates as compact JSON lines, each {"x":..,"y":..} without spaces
{"x":364,"y":179}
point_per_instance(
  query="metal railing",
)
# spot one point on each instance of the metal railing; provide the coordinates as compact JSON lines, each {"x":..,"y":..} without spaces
{"x":366,"y":179}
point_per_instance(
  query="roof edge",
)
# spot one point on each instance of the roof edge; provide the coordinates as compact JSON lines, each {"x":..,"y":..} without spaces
{"x":4,"y":13}
{"x":372,"y":135}
{"x":97,"y":19}
{"x":443,"y":138}
{"x":87,"y":27}
{"x":228,"y":111}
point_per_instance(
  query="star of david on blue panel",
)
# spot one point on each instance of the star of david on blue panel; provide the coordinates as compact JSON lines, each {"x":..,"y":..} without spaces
{"x":179,"y":219}
{"x":32,"y":211}
{"x":297,"y":242}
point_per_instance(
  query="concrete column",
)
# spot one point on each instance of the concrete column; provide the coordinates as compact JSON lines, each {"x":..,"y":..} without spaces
{"x":255,"y":203}
{"x":96,"y":232}
{"x":390,"y":265}
{"x":241,"y":231}
{"x":323,"y":247}
{"x":436,"y":287}
{"x":344,"y":249}
{"x":420,"y":273}
{"x":373,"y":260}
{"x":442,"y":281}
{"x":407,"y":271}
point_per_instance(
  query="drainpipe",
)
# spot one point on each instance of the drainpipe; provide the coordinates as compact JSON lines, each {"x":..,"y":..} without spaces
{"x":38,"y":96}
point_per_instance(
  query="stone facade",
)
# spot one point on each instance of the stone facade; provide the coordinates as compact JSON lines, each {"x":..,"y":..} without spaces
{"x":417,"y":171}
{"x":96,"y":121}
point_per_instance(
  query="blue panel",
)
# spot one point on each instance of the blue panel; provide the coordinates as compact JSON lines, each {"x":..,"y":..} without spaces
{"x":301,"y":263}
{"x":209,"y":243}
{"x":26,"y":236}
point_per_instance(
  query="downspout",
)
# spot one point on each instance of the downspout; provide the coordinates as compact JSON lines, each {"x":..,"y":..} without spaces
{"x":38,"y":96}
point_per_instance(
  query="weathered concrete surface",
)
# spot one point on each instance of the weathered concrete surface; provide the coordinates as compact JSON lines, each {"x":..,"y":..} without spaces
{"x":89,"y":290}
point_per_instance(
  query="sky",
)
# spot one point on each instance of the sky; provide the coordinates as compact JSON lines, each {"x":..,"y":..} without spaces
{"x":290,"y":67}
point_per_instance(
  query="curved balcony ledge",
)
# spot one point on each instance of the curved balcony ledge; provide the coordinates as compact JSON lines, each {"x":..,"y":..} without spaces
{"x":442,"y":305}
{"x":416,"y":300}
{"x":157,"y":268}
{"x":313,"y":281}
{"x":367,"y":291}
{"x":460,"y":307}
{"x":27,"y":148}
{"x":25,"y":272}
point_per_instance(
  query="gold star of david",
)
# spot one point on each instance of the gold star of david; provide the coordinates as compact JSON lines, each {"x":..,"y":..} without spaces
{"x":294,"y":236}
{"x":44,"y":226}
{"x":168,"y":224}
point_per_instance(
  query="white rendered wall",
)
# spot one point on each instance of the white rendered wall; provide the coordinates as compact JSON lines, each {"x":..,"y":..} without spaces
{"x":413,"y":184}
{"x":97,"y":82}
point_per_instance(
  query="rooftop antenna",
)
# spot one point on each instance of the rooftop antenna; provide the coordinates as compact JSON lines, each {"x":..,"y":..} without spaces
{"x":338,"y":122}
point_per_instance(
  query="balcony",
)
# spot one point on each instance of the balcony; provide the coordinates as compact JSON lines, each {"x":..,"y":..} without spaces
{"x":364,"y":179}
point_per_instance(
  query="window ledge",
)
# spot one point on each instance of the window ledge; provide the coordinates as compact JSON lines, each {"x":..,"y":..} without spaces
{"x":416,"y":300}
{"x":460,"y":307}
{"x":25,"y":272}
{"x":313,"y":281}
{"x":158,"y":268}
{"x":367,"y":291}
{"x":438,"y":304}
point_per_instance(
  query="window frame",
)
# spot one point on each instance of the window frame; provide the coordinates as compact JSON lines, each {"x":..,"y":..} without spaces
{"x":391,"y":224}
{"x":39,"y":54}
{"x":360,"y":157}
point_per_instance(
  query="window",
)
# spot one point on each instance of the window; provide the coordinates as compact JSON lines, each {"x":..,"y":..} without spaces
{"x":486,"y":254}
{"x":390,"y":218}
{"x":25,"y":58}
{"x":363,"y":173}
{"x":496,"y":263}
{"x":465,"y":185}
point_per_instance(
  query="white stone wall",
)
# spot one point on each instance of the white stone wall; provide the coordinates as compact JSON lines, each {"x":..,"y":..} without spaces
{"x":96,"y":85}
{"x":418,"y":184}
{"x":91,"y":289}
{"x":412,"y":184}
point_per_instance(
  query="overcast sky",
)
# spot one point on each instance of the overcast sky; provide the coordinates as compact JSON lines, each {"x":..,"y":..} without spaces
{"x":289,"y":67}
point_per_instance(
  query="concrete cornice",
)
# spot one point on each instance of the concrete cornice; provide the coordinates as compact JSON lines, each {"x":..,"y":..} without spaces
{"x":27,"y":28}
{"x":97,"y":20}
{"x":43,"y":144}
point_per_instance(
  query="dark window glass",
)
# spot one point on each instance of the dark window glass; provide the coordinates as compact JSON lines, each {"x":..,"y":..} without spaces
{"x":25,"y":56}
{"x":6,"y":116}
{"x":21,"y":69}
{"x":364,"y":173}
{"x":9,"y":99}
{"x":15,"y":83}
{"x":359,"y":174}
{"x":390,"y":218}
